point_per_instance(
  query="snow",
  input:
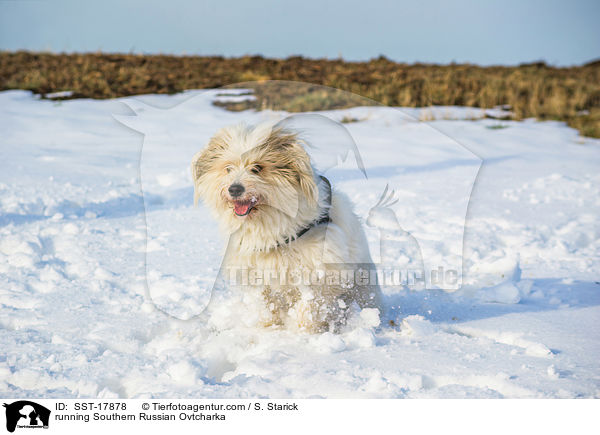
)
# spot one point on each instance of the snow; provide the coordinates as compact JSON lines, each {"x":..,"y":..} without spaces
{"x":106,"y":266}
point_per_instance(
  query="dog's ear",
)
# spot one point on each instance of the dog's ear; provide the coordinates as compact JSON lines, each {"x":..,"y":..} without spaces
{"x":196,"y":171}
{"x":201,"y":163}
{"x":205,"y":159}
{"x":196,"y":166}
{"x":304,"y":173}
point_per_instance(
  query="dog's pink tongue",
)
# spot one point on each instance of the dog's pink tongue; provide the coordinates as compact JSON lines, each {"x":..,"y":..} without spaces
{"x":241,"y":209}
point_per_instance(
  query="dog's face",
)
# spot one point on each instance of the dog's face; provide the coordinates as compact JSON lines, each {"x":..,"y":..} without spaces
{"x":254,"y":176}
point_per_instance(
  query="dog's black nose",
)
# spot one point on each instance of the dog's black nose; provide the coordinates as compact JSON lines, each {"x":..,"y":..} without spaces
{"x":236,"y":190}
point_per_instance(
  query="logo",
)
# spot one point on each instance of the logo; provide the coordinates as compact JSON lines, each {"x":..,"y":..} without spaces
{"x":26,"y":414}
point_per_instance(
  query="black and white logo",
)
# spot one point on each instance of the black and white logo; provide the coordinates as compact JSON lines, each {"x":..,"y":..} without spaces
{"x":26,"y":414}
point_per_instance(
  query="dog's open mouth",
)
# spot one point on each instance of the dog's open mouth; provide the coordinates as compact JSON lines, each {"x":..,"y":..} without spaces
{"x":242,"y":208}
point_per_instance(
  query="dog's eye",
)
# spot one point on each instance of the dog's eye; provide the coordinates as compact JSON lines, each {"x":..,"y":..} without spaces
{"x":256,"y":169}
{"x":228,"y":169}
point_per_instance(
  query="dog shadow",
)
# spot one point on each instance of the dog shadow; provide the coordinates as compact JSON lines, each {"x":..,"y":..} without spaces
{"x":439,"y":306}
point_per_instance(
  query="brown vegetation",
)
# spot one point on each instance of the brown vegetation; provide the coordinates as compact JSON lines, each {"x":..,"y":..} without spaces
{"x":533,"y":90}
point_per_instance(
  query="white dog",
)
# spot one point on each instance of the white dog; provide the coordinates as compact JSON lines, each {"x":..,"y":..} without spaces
{"x":292,"y":238}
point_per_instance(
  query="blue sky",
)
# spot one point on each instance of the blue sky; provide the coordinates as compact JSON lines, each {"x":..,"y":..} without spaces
{"x":483,"y":32}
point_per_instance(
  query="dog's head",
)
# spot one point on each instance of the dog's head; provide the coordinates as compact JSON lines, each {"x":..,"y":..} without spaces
{"x":259,"y":176}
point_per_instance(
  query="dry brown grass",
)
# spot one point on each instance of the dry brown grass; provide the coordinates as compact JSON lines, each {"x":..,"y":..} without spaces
{"x":534,"y":90}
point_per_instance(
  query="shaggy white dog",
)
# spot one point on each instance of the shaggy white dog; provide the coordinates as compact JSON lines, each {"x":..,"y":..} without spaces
{"x":292,"y":238}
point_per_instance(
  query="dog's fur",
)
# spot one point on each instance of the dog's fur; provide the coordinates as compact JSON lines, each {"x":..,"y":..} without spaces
{"x":282,"y":196}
